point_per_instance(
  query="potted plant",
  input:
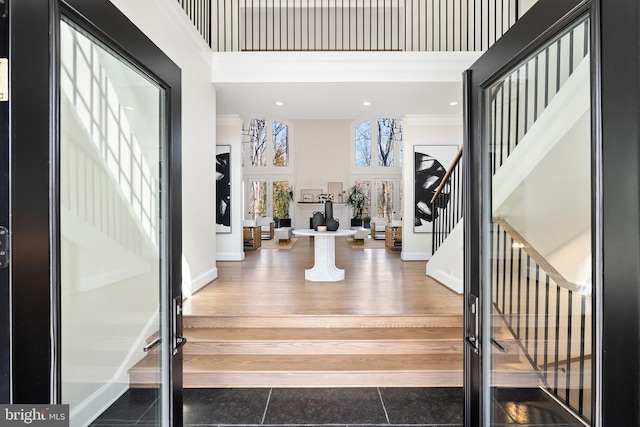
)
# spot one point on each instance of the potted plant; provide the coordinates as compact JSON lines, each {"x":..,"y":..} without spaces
{"x":367,"y":221}
{"x":356,"y":199}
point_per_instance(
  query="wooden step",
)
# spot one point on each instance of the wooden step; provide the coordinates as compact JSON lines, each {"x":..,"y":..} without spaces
{"x":323,"y":340}
{"x":323,"y":321}
{"x":371,"y":370}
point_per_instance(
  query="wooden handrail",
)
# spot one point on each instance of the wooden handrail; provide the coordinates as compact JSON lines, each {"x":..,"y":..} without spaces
{"x":554,"y":274}
{"x":447,"y":175}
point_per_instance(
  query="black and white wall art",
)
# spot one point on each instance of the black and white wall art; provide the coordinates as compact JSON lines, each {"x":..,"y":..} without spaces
{"x":223,"y":189}
{"x":430,"y":166}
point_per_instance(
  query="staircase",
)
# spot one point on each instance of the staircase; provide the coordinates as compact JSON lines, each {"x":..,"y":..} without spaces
{"x":319,"y":351}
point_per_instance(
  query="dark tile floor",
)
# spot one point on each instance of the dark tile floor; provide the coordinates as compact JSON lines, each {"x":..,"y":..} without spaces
{"x":337,"y":407}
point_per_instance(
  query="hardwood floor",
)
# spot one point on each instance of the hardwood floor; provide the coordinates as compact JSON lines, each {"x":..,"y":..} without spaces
{"x":271,"y":283}
{"x":260,"y":324}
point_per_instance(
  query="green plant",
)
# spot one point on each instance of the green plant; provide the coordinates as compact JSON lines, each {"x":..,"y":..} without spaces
{"x":356,"y":199}
{"x":366,"y":219}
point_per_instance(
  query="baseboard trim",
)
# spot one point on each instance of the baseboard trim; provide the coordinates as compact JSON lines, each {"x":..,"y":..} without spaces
{"x":415,"y":256}
{"x":204,"y":279}
{"x":451,"y":282}
{"x":93,"y":406}
{"x":230,"y":256}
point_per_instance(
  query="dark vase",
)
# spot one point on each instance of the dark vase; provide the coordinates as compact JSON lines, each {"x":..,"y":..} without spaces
{"x":332,"y":224}
{"x":317,"y":219}
{"x":328,"y":210}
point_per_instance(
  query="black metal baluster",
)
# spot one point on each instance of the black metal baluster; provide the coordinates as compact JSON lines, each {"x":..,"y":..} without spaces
{"x":546,"y":330}
{"x":502,"y":158}
{"x":527,"y":302}
{"x":517,"y":129}
{"x":535,"y":90}
{"x":511,"y":281}
{"x":504,"y":270}
{"x":536,"y":317}
{"x":496,"y":260}
{"x":569,"y":330}
{"x":557,"y":342}
{"x":581,"y":379}
{"x":519,"y":302}
{"x":509,"y":84}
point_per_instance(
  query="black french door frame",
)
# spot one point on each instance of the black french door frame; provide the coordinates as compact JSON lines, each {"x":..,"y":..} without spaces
{"x":34,"y":193}
{"x":540,"y":24}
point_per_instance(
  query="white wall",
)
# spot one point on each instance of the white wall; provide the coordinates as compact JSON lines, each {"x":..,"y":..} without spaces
{"x":321,"y":153}
{"x":229,"y":246}
{"x":166,"y":24}
{"x":422,"y":130}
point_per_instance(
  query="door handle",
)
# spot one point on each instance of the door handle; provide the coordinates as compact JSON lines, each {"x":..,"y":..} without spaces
{"x":178,"y":339}
{"x":472,"y":332}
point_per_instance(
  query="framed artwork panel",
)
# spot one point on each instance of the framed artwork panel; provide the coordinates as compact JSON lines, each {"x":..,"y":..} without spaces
{"x":223,"y":189}
{"x":429,"y":168}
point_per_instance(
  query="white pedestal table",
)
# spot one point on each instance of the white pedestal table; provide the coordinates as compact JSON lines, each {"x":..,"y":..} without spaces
{"x":324,"y":260}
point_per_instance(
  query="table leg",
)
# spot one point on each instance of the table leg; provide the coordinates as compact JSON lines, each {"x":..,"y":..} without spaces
{"x":324,"y":267}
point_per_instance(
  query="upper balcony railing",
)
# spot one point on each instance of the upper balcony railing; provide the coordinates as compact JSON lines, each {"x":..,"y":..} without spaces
{"x":351,"y":25}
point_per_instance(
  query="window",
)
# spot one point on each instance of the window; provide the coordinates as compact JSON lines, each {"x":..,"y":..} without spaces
{"x":258,"y":138}
{"x":281,"y":199}
{"x":388,"y":132}
{"x":386,"y":138}
{"x":280,"y":144}
{"x":384,"y":198}
{"x":363,"y":144}
{"x":255,"y":136}
{"x":365,"y":187}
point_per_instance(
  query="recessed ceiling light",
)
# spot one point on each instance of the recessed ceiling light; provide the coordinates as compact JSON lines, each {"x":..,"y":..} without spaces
{"x":452,"y":103}
{"x":279,"y":103}
{"x":366,"y":103}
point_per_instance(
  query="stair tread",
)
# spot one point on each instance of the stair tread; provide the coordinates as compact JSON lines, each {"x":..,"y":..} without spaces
{"x":320,"y":363}
{"x":322,"y":321}
{"x":322,"y":334}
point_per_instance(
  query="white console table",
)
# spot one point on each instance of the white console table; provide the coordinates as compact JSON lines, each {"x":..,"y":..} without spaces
{"x":324,"y":259}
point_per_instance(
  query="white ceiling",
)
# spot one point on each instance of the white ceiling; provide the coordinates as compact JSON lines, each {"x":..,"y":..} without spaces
{"x":320,"y":85}
{"x":338,"y":100}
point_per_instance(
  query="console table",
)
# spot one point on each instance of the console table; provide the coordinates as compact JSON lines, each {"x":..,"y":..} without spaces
{"x":324,"y":255}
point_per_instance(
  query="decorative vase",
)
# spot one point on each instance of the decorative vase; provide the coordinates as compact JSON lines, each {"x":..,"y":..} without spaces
{"x":328,"y":210}
{"x":317,"y":219}
{"x":332,"y":224}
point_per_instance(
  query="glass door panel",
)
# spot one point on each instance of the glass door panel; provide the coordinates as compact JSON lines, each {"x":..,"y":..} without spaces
{"x":540,"y":234}
{"x":113,"y":255}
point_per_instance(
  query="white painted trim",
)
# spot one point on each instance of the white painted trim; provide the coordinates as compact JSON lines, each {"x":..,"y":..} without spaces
{"x":228,"y":119}
{"x":230,"y":256}
{"x":99,"y":401}
{"x":451,"y":282}
{"x":433,"y":119}
{"x":292,"y":67}
{"x":415,"y":256}
{"x":449,"y":259}
{"x":204,"y":279}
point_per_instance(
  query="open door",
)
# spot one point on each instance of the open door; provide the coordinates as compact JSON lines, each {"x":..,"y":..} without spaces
{"x":530,"y":237}
{"x":95,"y":229}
